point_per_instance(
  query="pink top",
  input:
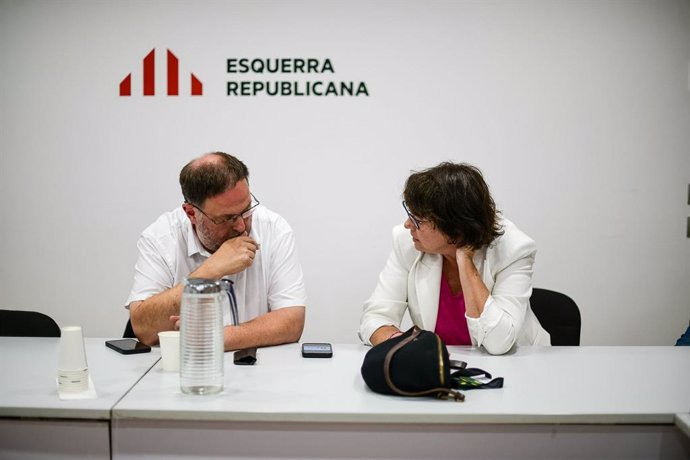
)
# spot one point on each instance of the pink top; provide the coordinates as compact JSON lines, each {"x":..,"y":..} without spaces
{"x":451,"y":324}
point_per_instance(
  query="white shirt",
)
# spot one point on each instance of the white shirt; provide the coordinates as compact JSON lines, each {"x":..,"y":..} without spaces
{"x":169,"y":251}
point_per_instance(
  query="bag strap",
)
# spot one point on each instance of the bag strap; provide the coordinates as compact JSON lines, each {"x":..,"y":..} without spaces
{"x":464,"y":379}
{"x":440,"y":392}
{"x":471,"y":372}
{"x":455,"y":364}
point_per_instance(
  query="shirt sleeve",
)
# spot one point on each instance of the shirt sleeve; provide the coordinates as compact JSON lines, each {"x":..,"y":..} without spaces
{"x":498,"y":327}
{"x":286,"y":279}
{"x":152,"y":274}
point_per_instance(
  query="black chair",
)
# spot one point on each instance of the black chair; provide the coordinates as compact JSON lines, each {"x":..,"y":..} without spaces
{"x":129,"y":331}
{"x":684,"y":339}
{"x":558,"y":314}
{"x":18,"y":323}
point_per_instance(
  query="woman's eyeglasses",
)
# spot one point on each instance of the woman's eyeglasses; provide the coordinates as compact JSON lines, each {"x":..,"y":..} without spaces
{"x":416,"y":221}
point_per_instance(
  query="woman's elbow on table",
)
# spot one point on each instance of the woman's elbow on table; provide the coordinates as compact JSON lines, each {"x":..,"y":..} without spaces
{"x":496,"y":344}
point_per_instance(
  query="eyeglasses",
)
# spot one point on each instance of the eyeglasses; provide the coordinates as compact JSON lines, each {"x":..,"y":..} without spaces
{"x":417,"y":222}
{"x":232,"y":220}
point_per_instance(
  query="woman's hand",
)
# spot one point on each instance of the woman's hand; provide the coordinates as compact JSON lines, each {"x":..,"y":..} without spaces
{"x":384,"y":333}
{"x":464,"y":254}
{"x":473,"y":287}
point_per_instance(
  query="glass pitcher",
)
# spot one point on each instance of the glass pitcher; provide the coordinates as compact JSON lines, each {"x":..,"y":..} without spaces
{"x":201,"y":336}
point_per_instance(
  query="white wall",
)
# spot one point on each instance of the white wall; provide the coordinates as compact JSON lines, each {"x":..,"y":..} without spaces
{"x":577,"y":112}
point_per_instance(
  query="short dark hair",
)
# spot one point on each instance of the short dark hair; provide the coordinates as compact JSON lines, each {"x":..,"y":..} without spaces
{"x":456,"y":199}
{"x":210,"y":175}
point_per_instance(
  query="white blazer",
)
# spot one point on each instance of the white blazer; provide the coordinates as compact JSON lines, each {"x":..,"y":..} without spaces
{"x":411,"y":280}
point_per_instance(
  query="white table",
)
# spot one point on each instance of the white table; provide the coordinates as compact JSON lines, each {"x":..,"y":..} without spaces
{"x":587,"y":401}
{"x":683,"y":423}
{"x":35,"y":423}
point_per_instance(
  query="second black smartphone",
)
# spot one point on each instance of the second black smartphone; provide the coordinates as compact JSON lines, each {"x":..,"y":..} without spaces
{"x":317,"y":350}
{"x":127,"y":346}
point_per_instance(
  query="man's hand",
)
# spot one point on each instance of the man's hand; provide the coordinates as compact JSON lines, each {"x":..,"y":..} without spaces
{"x":273,"y":328}
{"x":233,"y":256}
{"x":155,"y":314}
{"x":284,"y":325}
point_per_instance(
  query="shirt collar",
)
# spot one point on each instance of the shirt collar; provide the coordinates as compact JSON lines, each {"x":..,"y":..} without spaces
{"x":194,"y":246}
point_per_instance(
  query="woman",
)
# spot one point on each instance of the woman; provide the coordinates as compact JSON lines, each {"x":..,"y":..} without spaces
{"x":460,"y":269}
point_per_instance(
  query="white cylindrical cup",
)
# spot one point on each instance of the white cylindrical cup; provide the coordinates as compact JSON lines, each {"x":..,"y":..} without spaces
{"x":73,"y":381}
{"x":170,"y":350}
{"x":73,"y":372}
{"x":72,"y":352}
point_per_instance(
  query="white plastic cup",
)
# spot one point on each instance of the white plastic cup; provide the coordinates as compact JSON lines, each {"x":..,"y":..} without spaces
{"x":73,"y":372}
{"x":73,"y":381}
{"x":170,"y":350}
{"x":72,"y":352}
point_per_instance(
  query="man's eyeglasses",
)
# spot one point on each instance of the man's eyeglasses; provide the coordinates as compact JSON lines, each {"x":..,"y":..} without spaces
{"x":416,"y":221}
{"x":232,"y":220}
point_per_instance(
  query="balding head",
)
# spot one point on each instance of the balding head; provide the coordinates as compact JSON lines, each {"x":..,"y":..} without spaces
{"x":210,"y":175}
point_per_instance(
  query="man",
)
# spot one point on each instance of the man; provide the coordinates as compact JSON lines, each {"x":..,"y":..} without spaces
{"x":220,"y":231}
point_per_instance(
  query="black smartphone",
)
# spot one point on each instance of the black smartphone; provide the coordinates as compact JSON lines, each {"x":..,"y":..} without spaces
{"x":246,"y":357}
{"x":317,"y":350}
{"x":127,"y":346}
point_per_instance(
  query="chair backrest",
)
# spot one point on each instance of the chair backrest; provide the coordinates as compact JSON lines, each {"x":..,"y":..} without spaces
{"x":129,"y":331}
{"x":18,"y":323}
{"x":558,"y":314}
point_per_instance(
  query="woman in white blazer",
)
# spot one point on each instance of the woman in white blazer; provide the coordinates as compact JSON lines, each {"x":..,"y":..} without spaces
{"x":460,"y":269}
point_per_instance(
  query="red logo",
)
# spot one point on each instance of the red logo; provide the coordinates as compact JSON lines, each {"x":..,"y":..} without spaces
{"x":149,"y":80}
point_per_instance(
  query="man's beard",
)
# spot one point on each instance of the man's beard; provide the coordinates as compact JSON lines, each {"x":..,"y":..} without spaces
{"x":209,"y":242}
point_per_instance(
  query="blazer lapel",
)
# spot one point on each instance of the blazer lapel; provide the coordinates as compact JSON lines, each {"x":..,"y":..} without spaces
{"x":427,"y":284}
{"x":483,"y":268}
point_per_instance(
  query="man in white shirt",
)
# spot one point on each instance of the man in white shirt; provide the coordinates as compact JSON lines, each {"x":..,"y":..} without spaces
{"x":221,"y":231}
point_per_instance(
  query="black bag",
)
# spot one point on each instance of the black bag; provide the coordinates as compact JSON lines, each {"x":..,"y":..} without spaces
{"x":413,"y":364}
